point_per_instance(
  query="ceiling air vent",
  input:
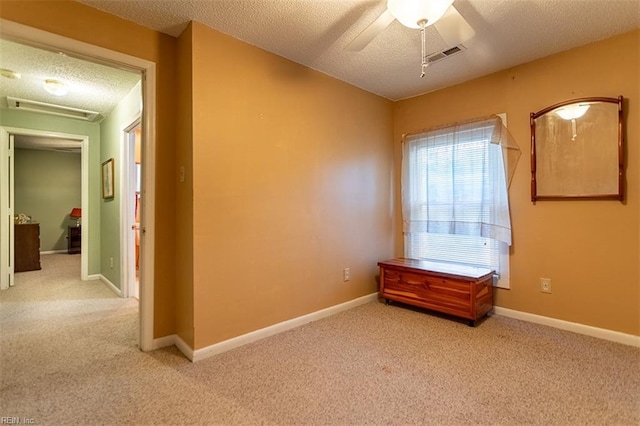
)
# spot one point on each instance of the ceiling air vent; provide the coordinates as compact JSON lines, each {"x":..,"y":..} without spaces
{"x":438,"y":56}
{"x":52,"y":109}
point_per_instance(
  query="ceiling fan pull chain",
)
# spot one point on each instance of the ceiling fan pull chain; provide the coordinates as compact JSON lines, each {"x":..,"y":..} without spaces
{"x":424,"y":63}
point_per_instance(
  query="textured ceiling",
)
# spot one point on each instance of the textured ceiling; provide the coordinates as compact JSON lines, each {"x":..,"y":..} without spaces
{"x":92,"y":86}
{"x":315,"y":32}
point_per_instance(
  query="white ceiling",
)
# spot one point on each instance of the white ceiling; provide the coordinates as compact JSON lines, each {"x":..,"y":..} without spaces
{"x":315,"y":32}
{"x":92,"y":86}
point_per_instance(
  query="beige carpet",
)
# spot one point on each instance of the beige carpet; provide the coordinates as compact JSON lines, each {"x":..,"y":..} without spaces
{"x":69,"y":356}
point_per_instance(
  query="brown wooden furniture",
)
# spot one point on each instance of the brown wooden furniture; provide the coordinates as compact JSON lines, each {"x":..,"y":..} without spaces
{"x":458,"y":290}
{"x":74,"y":239}
{"x":26,"y":252}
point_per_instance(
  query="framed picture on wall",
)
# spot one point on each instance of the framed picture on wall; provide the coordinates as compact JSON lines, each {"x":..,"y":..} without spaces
{"x":107,"y":179}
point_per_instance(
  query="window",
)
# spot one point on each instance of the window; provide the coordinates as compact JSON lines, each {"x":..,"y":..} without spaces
{"x":455,"y":204}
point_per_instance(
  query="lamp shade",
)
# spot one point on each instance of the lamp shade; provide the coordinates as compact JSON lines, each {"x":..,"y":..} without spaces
{"x":410,"y":12}
{"x":76,"y":213}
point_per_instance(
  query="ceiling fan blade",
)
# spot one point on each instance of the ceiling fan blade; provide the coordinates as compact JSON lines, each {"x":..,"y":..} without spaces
{"x":453,"y":28}
{"x":369,"y":33}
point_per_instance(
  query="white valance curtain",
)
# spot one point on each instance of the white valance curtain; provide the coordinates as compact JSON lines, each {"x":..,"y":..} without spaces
{"x":458,"y":180}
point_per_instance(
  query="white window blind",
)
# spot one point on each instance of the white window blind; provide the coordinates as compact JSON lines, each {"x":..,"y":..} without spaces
{"x":455,"y":205}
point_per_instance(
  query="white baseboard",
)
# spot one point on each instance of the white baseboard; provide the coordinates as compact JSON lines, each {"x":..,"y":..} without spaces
{"x":601,"y":333}
{"x":111,"y":286}
{"x":52,"y":252}
{"x":173,"y":339}
{"x":163,"y":342}
{"x":184,"y":348}
{"x":254,"y":336}
{"x":93,"y":277}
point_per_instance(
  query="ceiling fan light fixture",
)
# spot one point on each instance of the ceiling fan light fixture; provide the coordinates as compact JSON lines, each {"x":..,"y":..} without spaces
{"x":411,"y":12}
{"x":571,"y":112}
{"x":55,"y":87}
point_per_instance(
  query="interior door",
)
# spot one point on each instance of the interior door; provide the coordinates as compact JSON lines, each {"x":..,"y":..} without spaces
{"x":132,"y":209}
{"x":6,"y":207}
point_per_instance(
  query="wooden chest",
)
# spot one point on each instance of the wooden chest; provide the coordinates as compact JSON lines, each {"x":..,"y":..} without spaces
{"x":459,"y":290}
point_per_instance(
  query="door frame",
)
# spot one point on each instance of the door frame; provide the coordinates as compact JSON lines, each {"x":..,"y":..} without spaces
{"x":6,"y":131}
{"x":7,"y":210}
{"x":46,"y":40}
{"x":127,"y":185}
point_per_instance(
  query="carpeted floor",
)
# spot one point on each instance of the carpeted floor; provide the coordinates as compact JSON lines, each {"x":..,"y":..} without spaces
{"x":69,"y":356}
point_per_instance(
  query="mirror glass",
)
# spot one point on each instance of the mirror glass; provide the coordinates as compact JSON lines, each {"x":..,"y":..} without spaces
{"x":576,"y":150}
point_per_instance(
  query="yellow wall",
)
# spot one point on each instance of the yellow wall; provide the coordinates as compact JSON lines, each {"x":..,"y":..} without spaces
{"x":292,"y":183}
{"x":589,"y":249}
{"x":289,"y":176}
{"x":184,"y":193}
{"x":80,"y":22}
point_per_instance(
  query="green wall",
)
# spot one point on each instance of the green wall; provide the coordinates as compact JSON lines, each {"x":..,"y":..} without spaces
{"x":105,"y":140}
{"x":112,"y":137}
{"x":36,"y":121}
{"x":48,"y":185}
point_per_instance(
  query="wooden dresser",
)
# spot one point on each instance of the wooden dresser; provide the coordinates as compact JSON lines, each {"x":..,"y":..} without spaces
{"x":458,"y":290}
{"x":27,"y":247}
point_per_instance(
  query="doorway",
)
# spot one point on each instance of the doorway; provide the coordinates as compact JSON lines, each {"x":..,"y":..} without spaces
{"x":44,"y":40}
{"x":131,"y":207}
{"x":47,"y":141}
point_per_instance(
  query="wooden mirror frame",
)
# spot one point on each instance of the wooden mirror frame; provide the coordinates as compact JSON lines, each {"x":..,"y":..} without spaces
{"x":619,"y":195}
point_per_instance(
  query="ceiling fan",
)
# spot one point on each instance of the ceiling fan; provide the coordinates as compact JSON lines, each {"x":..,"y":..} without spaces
{"x":419,"y":14}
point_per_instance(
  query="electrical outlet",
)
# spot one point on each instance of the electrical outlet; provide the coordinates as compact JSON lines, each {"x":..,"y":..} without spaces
{"x":346,"y":274}
{"x":111,"y":262}
{"x":545,"y":285}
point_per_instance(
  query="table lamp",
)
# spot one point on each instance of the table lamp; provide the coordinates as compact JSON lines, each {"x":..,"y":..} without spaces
{"x":76,"y":213}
